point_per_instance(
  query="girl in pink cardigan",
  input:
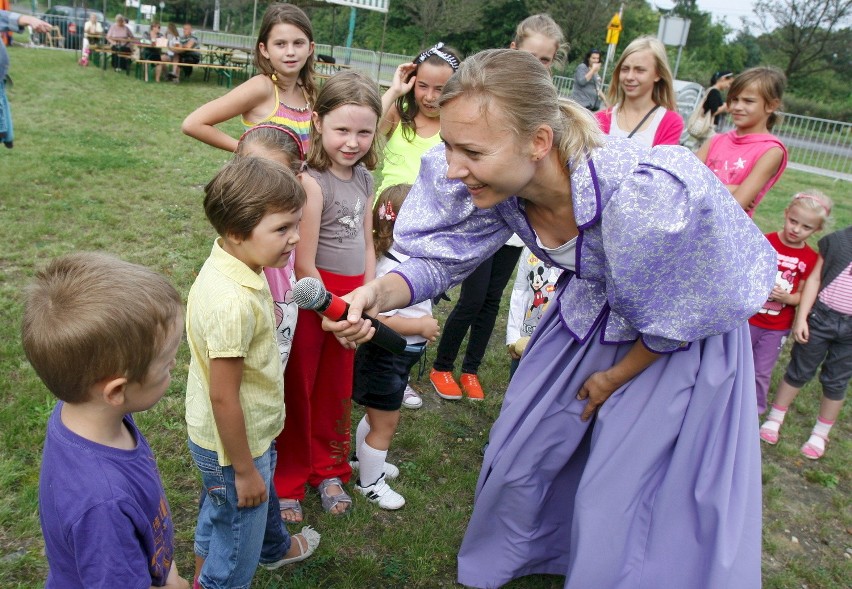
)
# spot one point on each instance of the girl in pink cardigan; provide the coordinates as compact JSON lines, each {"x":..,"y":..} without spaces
{"x":643,"y":98}
{"x":748,"y":159}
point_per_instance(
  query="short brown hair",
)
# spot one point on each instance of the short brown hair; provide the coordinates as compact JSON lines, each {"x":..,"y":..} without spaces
{"x":288,"y":14}
{"x":245,"y":190}
{"x":90,"y":316}
{"x":349,"y":87}
{"x":769,"y":82}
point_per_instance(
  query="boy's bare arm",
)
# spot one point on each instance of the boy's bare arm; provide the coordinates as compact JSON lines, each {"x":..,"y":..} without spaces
{"x":226,"y":375}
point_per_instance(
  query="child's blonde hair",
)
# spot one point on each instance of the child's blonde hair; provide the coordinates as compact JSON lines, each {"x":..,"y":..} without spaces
{"x":517,"y":84}
{"x":287,"y":14}
{"x":769,"y":82}
{"x":814,"y":201}
{"x":663,"y":93}
{"x":90,"y":316}
{"x":542,"y":24}
{"x":245,"y":190}
{"x":349,"y":87}
{"x":277,"y":139}
{"x":384,"y":216}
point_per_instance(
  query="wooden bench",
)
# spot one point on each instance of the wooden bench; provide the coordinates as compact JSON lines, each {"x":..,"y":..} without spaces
{"x":103,"y":52}
{"x":223,"y":72}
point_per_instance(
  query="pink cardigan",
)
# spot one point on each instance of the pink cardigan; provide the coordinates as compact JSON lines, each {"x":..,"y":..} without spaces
{"x":668,"y":133}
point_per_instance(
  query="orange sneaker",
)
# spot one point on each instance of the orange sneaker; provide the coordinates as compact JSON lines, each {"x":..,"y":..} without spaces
{"x":471,"y":387}
{"x":445,"y":385}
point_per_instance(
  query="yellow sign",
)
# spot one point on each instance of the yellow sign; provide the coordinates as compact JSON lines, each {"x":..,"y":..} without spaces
{"x":613,"y":30}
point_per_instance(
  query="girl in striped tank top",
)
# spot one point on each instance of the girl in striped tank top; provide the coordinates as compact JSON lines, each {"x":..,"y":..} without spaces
{"x":282,"y":91}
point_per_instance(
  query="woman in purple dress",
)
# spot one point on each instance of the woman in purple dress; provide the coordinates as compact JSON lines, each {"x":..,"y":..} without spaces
{"x":626,"y":452}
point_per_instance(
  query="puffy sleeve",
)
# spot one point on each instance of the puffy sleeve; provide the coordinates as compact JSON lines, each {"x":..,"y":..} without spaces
{"x":683,"y":261}
{"x":443,"y":232}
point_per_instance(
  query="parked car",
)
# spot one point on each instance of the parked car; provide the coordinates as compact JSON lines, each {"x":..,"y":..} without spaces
{"x":71,"y":20}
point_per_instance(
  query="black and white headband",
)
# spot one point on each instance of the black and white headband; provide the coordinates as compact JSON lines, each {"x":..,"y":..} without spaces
{"x":437,"y":50}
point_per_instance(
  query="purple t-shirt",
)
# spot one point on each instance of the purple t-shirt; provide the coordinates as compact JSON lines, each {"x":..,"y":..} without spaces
{"x":103,"y":512}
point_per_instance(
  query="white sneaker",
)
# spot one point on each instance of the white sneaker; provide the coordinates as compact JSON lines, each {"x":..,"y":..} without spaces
{"x":410,"y":399}
{"x":390,"y":471}
{"x":381,"y":494}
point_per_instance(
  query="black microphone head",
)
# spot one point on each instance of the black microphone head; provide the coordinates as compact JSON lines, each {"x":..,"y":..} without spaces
{"x":309,"y":293}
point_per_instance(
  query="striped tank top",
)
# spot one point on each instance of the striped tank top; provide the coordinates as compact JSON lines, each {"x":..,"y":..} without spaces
{"x":296,"y":118}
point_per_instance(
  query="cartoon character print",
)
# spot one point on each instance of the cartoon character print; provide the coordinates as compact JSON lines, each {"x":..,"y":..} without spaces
{"x":350,"y":220}
{"x":784,"y":279}
{"x":286,"y":313}
{"x":542,"y":282}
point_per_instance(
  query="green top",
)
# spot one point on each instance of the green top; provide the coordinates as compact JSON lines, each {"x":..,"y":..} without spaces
{"x":402,"y":157}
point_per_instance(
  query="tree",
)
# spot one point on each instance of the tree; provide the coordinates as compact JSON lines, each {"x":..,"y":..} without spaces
{"x":807,"y":33}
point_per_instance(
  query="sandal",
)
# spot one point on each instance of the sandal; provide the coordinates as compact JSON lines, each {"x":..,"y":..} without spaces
{"x":811,"y":450}
{"x":290,"y":505}
{"x":329,"y":502}
{"x":308,"y":540}
{"x":769,"y":431}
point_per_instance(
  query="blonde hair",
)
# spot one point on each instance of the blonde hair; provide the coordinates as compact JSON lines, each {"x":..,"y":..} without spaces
{"x":544,"y":25}
{"x":769,"y":82}
{"x":382,"y":226}
{"x":90,"y":316}
{"x":248,"y":188}
{"x":349,"y":87}
{"x":814,"y":201}
{"x":287,"y":14}
{"x":663,"y":93}
{"x":517,"y":84}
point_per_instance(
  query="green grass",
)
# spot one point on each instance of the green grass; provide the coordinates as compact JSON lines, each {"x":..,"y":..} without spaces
{"x":99,"y":163}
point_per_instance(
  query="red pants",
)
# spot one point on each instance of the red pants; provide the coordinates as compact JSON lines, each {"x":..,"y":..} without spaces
{"x":318,"y":399}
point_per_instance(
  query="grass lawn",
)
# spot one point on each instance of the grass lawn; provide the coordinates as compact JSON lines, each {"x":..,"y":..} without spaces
{"x":99,"y":163}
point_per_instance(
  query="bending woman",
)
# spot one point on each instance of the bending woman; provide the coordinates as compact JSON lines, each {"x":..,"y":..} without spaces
{"x":626,"y":452}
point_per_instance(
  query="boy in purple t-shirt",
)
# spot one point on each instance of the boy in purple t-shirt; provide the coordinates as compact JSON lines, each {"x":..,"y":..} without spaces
{"x":102,"y":334}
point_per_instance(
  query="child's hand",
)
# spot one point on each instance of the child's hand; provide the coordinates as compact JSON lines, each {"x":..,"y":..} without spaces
{"x":429,"y":328}
{"x":514,"y":355}
{"x":174,"y":580}
{"x":403,"y":80}
{"x":251,"y":488}
{"x":800,"y":330}
{"x":780,"y":295}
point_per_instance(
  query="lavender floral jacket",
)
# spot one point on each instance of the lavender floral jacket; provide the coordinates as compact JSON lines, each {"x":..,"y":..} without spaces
{"x":664,"y":251}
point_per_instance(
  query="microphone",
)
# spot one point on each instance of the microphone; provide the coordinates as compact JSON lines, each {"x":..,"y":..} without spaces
{"x":311,"y":294}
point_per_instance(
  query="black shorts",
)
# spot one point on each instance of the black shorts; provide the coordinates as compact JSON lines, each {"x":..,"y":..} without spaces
{"x":381,"y":377}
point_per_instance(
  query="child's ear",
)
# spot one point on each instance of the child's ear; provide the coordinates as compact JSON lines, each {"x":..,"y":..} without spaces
{"x":512,"y":45}
{"x":112,"y":389}
{"x":772,"y":106}
{"x":316,"y":119}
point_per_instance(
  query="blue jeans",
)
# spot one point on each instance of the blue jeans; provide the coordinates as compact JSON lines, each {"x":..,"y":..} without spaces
{"x":234,"y":540}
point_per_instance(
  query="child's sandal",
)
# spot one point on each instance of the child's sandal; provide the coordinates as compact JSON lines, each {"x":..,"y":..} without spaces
{"x":812,"y":449}
{"x":292,"y":505}
{"x":329,"y":502}
{"x":769,"y":431}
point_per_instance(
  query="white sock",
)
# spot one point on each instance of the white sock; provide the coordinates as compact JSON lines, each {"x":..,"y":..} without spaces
{"x":822,"y":427}
{"x":775,"y":417}
{"x":360,"y":435}
{"x":371,"y":464}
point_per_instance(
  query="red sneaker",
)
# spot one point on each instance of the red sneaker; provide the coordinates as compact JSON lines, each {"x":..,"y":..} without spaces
{"x":471,"y":387}
{"x":445,"y":385}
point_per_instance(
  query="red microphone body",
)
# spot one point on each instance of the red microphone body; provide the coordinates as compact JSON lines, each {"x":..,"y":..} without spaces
{"x":310,"y":293}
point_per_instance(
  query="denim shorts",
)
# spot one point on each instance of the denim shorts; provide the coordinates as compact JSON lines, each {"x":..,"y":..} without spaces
{"x":829,"y":344}
{"x":234,"y":540}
